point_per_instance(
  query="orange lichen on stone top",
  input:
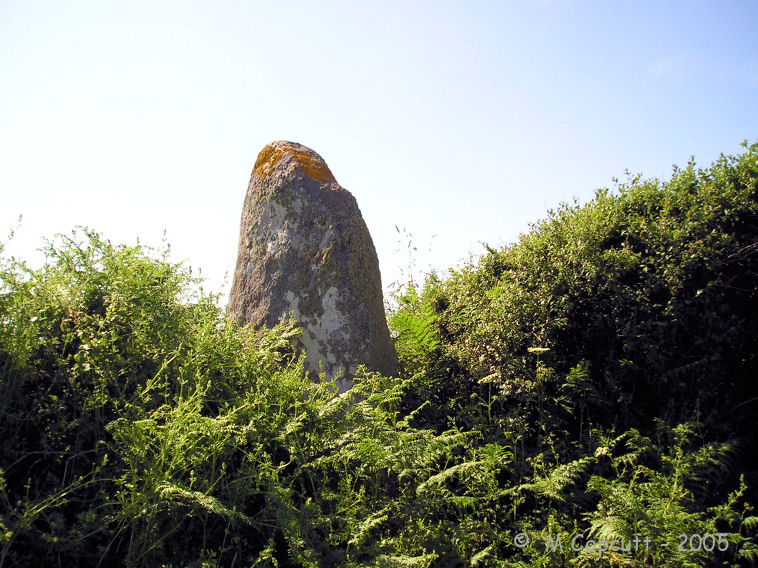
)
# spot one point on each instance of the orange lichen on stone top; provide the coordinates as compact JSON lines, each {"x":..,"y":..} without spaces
{"x":314,"y":168}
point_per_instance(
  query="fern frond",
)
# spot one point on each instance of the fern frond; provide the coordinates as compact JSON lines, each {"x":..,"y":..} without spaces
{"x":479,"y":557}
{"x":172,"y":492}
{"x":560,"y":478}
{"x":748,"y":553}
{"x":749,"y":524}
{"x":365,"y":528}
{"x":443,"y":476}
{"x":423,"y":561}
{"x":610,"y":528}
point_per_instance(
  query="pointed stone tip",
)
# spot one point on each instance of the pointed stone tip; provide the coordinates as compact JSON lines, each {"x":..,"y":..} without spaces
{"x":309,"y":162}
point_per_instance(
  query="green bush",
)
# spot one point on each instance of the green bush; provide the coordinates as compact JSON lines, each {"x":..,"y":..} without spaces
{"x":640,"y":304}
{"x":636,"y":310}
{"x":593,"y":382}
{"x":142,"y":428}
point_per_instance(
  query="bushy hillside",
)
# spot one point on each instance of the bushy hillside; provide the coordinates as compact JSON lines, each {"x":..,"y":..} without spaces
{"x":641,"y":304}
{"x":584,"y":397}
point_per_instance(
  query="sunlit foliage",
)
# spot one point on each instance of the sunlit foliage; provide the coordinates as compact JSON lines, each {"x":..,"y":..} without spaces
{"x":593,"y":382}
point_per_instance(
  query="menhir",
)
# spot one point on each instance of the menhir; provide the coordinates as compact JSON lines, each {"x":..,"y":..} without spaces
{"x":305,"y":249}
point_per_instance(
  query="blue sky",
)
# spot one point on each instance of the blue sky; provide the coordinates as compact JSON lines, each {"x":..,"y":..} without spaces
{"x":460,"y":122}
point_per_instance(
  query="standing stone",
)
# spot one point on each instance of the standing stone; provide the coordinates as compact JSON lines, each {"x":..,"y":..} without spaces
{"x":305,"y":249}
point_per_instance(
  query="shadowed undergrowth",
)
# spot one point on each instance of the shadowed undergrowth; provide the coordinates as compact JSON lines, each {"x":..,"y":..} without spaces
{"x":593,"y":382}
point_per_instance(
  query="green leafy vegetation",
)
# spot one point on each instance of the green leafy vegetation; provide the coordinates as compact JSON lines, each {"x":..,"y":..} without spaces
{"x":584,"y":397}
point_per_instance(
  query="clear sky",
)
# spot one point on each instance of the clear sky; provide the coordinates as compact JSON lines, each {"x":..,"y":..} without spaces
{"x":460,"y":122}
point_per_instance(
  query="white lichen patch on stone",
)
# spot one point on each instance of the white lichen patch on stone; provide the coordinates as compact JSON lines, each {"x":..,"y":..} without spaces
{"x":333,"y":319}
{"x":292,"y":301}
{"x":276,"y":216}
{"x":318,"y":331}
{"x":276,"y":224}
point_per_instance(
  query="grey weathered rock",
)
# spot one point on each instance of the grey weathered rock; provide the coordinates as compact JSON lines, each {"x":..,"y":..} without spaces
{"x":305,"y":249}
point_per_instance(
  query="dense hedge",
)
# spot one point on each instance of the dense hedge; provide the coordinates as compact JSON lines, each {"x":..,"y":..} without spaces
{"x":638,"y":310}
{"x":641,"y":304}
{"x":593,"y":381}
